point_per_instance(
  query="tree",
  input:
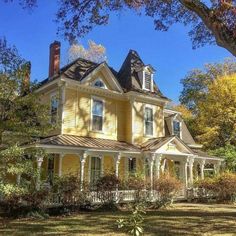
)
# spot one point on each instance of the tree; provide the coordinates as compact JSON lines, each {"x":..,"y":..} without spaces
{"x":211,"y":21}
{"x":22,"y":117}
{"x":217,"y":113}
{"x":195,"y":84}
{"x":94,"y":52}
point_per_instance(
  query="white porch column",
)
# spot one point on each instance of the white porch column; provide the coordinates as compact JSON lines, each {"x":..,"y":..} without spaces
{"x":217,"y":167}
{"x":158,"y":165}
{"x":60,"y":164}
{"x":117,"y":158}
{"x":191,"y":161}
{"x":202,"y":165}
{"x":185,"y":167}
{"x":18,"y":178}
{"x":39,"y":160}
{"x":151,"y":160}
{"x":82,"y":163}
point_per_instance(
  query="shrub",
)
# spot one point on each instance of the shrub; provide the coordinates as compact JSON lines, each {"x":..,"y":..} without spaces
{"x":167,"y":187}
{"x":106,"y":186}
{"x":68,"y":189}
{"x":222,"y":188}
{"x":139,"y":185}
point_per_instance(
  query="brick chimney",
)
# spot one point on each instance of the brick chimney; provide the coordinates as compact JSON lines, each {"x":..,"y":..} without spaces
{"x":25,"y":86}
{"x":54,"y":58}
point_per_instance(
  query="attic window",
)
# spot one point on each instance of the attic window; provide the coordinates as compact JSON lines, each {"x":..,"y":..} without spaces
{"x":147,"y":81}
{"x":99,"y":84}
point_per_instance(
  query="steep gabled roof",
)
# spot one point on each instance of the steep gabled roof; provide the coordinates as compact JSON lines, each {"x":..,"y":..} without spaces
{"x":128,"y":75}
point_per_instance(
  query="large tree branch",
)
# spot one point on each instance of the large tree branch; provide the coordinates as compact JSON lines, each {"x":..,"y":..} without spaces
{"x":224,"y":36}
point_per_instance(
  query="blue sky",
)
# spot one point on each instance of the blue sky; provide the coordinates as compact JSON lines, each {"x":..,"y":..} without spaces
{"x":170,"y":53}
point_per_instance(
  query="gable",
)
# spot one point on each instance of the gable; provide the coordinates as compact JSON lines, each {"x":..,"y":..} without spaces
{"x":105,"y":75}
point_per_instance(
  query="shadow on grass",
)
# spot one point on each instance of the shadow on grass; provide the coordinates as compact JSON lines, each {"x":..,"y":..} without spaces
{"x":182,"y":220}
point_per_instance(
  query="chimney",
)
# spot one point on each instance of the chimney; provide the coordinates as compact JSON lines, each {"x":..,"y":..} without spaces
{"x":54,"y":58}
{"x":26,"y":71}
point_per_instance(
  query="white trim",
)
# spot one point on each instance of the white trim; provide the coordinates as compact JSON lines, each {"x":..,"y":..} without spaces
{"x":91,"y":113}
{"x":63,"y":99}
{"x":169,"y":111}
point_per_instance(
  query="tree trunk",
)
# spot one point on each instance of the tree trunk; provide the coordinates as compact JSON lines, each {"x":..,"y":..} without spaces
{"x":223,"y":35}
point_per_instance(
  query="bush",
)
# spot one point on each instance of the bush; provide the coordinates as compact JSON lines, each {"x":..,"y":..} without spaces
{"x":67,"y":188}
{"x":166,"y":187}
{"x":106,"y":186}
{"x":139,"y":185}
{"x":222,"y":188}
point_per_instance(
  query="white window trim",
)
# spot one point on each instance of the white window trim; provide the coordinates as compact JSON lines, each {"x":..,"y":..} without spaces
{"x":144,"y":129}
{"x":143,"y":80}
{"x":180,"y":127}
{"x":55,"y":93}
{"x":102,"y":165}
{"x":99,"y":79}
{"x":91,"y":114}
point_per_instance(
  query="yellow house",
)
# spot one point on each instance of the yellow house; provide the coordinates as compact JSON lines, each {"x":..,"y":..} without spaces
{"x":114,"y":121}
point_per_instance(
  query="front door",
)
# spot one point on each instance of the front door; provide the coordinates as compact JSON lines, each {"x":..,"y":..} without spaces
{"x":95,"y":171}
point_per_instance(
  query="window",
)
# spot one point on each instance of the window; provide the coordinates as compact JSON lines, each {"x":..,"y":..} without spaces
{"x":54,"y":109}
{"x":98,"y":83}
{"x":147,"y":81}
{"x":132,"y":165}
{"x":97,"y":115}
{"x":50,"y":169}
{"x":148,"y":116}
{"x":176,"y":128}
{"x":96,"y":170}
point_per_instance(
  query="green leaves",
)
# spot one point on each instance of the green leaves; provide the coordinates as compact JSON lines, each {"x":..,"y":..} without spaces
{"x":134,"y":222}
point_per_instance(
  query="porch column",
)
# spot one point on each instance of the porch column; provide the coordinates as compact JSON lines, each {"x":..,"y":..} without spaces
{"x":185,"y":167}
{"x":158,"y":165}
{"x":191,"y":161}
{"x":18,"y":178}
{"x":202,"y":165}
{"x":117,"y":158}
{"x":39,"y":160}
{"x":82,"y":163}
{"x":60,"y":164}
{"x":217,"y":167}
{"x":151,"y":163}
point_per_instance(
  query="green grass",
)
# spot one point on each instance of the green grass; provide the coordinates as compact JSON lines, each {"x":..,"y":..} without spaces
{"x":181,"y":219}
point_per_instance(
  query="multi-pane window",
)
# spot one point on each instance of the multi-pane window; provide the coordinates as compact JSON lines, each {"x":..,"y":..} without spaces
{"x":96,"y":169}
{"x":148,"y":116}
{"x":98,"y":83}
{"x":148,"y":81}
{"x":132,"y":165}
{"x":97,"y":115}
{"x":54,"y":109}
{"x":50,"y":169}
{"x":176,"y":128}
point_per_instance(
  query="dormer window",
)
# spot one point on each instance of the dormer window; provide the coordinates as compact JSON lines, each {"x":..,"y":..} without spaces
{"x":148,"y":81}
{"x":177,"y":128}
{"x":99,"y":83}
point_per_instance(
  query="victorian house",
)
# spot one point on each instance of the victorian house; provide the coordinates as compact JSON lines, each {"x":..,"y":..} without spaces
{"x":115,"y":121}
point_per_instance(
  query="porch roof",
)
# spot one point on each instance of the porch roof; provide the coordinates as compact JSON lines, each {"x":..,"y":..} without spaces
{"x":88,"y":142}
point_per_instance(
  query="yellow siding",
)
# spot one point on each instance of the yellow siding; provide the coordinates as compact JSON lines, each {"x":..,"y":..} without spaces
{"x":71,"y":164}
{"x":139,"y":132}
{"x":77,"y":116}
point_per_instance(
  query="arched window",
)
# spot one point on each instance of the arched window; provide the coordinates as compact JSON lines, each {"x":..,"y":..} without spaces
{"x":98,"y":83}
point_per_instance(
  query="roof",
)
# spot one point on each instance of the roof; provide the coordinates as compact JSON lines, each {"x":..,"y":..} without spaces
{"x":88,"y":142}
{"x":201,"y":153}
{"x":127,"y":76}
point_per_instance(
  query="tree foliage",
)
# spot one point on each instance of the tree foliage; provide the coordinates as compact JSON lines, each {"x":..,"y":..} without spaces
{"x":94,"y":52}
{"x":195,"y":84}
{"x":211,"y":21}
{"x":217,"y":113}
{"x":22,"y":118}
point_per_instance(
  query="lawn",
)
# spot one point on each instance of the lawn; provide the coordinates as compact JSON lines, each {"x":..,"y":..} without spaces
{"x":181,"y":219}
